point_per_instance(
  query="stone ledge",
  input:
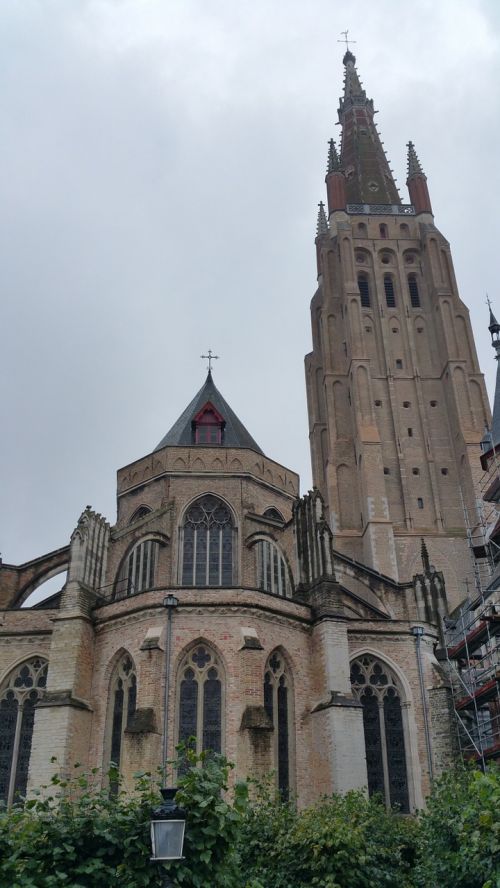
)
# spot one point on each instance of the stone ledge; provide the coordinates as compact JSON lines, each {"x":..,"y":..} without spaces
{"x":62,"y":698}
{"x":338,"y":700}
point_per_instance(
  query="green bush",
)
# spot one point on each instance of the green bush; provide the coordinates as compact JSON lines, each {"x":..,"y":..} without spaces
{"x":344,"y":842}
{"x":459,"y":834}
{"x":81,"y":837}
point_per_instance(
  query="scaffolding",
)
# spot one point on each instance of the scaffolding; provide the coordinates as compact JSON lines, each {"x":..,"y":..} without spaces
{"x":472,"y":633}
{"x":473,"y":653}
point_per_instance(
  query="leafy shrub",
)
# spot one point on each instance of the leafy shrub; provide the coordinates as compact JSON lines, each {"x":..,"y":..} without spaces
{"x":80,"y":837}
{"x":344,"y":842}
{"x":459,"y":836}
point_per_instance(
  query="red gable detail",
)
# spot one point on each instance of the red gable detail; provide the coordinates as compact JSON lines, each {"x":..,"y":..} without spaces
{"x":208,"y":415}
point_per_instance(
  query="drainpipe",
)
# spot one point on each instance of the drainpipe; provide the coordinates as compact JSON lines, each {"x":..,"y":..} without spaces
{"x":418,"y":632}
{"x":170,"y":603}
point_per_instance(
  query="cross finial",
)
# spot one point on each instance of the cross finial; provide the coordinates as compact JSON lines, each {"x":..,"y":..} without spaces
{"x":488,"y":302}
{"x":210,"y":357}
{"x":346,"y":39}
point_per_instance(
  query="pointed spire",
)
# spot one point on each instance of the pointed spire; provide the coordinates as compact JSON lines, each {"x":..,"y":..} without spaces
{"x":368,"y":176}
{"x":414,"y":165}
{"x":417,"y":182}
{"x":333,"y":158}
{"x":493,"y":326}
{"x":322,"y":224}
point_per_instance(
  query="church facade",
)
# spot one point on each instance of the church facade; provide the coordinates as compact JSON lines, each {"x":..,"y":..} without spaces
{"x":296,"y":635}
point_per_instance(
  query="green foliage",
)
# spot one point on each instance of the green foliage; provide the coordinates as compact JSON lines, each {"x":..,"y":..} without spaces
{"x":78,"y":837}
{"x":344,"y":842}
{"x":459,"y":836}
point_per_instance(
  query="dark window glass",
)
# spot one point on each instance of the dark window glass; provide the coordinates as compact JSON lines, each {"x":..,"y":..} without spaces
{"x":283,"y":758}
{"x":212,"y":712}
{"x":373,"y":742}
{"x":208,"y":544}
{"x":396,"y":758}
{"x":364,"y":290}
{"x":413,"y":290}
{"x":188,"y":720}
{"x":389,"y":291}
{"x":8,"y":722}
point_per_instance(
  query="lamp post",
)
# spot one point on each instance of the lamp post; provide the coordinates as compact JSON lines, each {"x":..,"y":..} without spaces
{"x":170,"y":602}
{"x":168,"y":823}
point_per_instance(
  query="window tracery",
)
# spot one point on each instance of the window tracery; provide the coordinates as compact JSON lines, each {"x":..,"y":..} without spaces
{"x":278,"y":706}
{"x":18,"y":699}
{"x":121,"y":707}
{"x":375,"y":686}
{"x":208,"y":532}
{"x":272,"y":571}
{"x":200,"y":700}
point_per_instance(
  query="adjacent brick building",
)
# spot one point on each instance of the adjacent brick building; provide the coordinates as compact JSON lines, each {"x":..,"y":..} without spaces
{"x":295,"y":634}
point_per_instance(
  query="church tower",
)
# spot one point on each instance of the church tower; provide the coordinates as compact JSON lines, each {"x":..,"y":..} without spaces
{"x":396,"y":400}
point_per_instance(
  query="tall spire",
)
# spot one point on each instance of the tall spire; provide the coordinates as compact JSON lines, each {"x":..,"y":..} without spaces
{"x":368,"y":176}
{"x":491,"y":438}
{"x":417,"y":182}
{"x":322,"y":224}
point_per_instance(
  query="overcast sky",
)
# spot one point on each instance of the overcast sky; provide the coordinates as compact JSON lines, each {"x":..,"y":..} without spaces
{"x":161,"y":165}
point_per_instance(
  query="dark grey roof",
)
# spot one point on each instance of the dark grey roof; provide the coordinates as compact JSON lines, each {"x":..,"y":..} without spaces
{"x":235,"y":433}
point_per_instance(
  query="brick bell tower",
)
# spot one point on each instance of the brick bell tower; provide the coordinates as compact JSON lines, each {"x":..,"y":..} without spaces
{"x":396,"y":400}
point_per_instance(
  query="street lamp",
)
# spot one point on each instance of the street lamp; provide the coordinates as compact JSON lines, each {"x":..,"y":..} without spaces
{"x":168,"y":822}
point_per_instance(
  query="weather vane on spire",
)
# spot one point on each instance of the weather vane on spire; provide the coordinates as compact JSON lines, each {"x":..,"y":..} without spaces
{"x":210,"y":357}
{"x":346,"y":40}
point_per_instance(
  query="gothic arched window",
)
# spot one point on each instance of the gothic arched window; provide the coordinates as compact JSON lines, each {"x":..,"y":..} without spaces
{"x":200,"y":700}
{"x":18,"y":699}
{"x":121,"y":707}
{"x":376,"y":687}
{"x":278,"y":705}
{"x":207,"y":558}
{"x":272,"y":571}
{"x":137,"y":573}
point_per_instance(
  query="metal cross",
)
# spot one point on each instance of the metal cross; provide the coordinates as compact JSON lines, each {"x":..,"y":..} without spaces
{"x":210,"y":357}
{"x":488,"y":302}
{"x":345,"y":40}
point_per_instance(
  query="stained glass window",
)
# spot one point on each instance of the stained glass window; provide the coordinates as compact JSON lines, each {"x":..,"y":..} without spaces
{"x":18,"y":699}
{"x":208,"y":534}
{"x":375,"y":686}
{"x":277,"y":704}
{"x":122,"y":704}
{"x":272,"y":571}
{"x":138,"y":571}
{"x":200,"y":700}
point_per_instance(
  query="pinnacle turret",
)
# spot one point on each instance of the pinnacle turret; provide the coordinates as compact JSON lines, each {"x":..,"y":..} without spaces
{"x":333,"y":165}
{"x":414,"y":165}
{"x":322,"y":224}
{"x":417,"y":182}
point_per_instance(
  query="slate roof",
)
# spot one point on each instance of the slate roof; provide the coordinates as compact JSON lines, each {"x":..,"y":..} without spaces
{"x":235,"y":433}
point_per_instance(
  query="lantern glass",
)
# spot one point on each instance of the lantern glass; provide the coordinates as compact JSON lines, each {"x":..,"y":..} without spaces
{"x":167,"y":839}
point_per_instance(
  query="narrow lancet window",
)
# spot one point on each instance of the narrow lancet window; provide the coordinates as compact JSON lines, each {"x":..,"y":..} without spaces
{"x":121,"y":708}
{"x":278,"y":704}
{"x":364,"y":290}
{"x":390,"y":298}
{"x":413,"y":290}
